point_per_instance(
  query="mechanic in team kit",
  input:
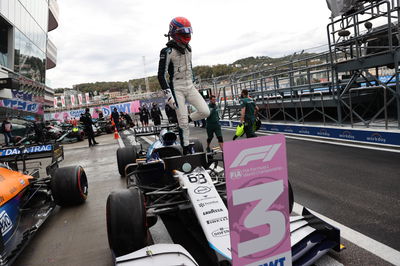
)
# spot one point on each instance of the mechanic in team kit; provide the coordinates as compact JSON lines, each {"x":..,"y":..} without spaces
{"x":176,"y":60}
{"x":213,"y":125}
{"x":248,"y":114}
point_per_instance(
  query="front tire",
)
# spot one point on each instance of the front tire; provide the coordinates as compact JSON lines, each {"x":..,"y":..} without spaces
{"x":125,"y":156}
{"x":69,"y":186}
{"x":126,"y":221}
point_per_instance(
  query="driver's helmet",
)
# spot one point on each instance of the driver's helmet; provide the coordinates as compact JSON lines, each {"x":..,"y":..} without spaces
{"x":180,"y":30}
{"x":240,"y":130}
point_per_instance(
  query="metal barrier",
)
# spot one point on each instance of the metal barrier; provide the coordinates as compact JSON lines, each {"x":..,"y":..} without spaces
{"x":359,"y":59}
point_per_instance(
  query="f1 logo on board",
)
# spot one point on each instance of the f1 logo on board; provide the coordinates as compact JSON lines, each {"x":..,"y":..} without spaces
{"x":5,"y":223}
{"x":264,"y":153}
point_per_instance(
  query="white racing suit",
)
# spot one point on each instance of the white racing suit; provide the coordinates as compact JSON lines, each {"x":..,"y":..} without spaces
{"x":177,"y":62}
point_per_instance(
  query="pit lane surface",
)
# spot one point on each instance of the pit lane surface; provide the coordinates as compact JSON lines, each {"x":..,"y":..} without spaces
{"x":78,"y":235}
{"x":326,"y":178}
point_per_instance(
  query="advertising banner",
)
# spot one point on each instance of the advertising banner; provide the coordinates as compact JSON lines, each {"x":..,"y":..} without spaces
{"x":80,"y":99}
{"x":73,"y":100}
{"x":87,"y":97}
{"x":129,"y":107}
{"x":20,"y":95}
{"x":383,"y":137}
{"x":22,"y":105}
{"x":258,"y":201}
{"x":63,"y":101}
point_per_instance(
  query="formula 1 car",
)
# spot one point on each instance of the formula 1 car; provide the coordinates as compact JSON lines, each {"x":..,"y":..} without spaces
{"x":27,"y":200}
{"x":104,"y":126}
{"x":70,"y":133}
{"x":167,"y":138}
{"x":190,"y":191}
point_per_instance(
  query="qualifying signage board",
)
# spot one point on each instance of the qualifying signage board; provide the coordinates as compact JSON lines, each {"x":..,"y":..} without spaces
{"x":258,"y":201}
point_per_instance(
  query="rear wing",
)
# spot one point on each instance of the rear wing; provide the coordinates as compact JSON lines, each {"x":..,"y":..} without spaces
{"x":32,"y":152}
{"x":153,"y":130}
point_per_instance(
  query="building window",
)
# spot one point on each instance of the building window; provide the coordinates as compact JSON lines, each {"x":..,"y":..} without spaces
{"x":4,"y":28}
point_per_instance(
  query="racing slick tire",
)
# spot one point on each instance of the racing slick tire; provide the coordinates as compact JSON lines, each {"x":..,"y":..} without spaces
{"x":197,"y":145}
{"x":125,"y":156}
{"x":69,"y":186}
{"x":81,"y":136}
{"x":126,"y":221}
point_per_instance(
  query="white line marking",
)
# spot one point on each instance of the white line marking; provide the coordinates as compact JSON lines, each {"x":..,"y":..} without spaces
{"x":120,"y":142}
{"x":326,"y":141}
{"x":381,"y":250}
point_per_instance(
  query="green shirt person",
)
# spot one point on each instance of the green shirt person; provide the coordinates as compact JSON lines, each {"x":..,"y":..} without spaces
{"x":213,"y":126}
{"x":248,"y":113}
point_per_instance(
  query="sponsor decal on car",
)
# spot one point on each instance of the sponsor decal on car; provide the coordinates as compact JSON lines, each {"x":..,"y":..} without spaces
{"x":217,"y":220}
{"x":5,"y":223}
{"x":203,"y":199}
{"x":203,"y":204}
{"x":220,"y":232}
{"x":202,"y":190}
{"x":13,"y":190}
{"x":212,"y":211}
{"x":33,"y":149}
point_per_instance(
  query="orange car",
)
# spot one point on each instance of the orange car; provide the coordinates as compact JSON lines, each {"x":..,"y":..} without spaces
{"x":26,"y":199}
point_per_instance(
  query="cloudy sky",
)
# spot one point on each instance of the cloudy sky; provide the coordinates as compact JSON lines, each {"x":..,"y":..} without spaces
{"x":103,"y":40}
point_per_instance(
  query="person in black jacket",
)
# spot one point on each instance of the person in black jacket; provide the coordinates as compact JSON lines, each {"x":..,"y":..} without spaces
{"x":156,"y":114}
{"x":86,"y":120}
{"x":171,"y":114}
{"x":115,"y":118}
{"x":144,"y":115}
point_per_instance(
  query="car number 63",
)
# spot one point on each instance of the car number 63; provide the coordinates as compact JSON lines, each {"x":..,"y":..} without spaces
{"x":197,"y":178}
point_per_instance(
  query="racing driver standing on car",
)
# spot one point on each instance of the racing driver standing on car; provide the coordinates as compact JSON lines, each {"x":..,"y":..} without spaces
{"x":176,"y":60}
